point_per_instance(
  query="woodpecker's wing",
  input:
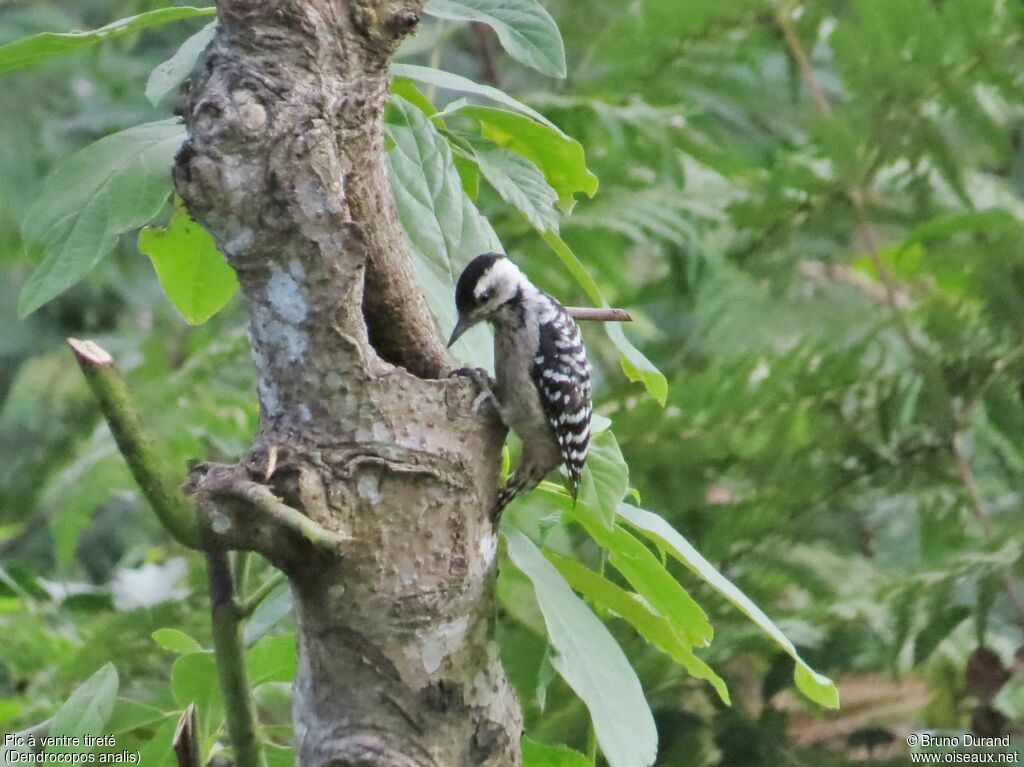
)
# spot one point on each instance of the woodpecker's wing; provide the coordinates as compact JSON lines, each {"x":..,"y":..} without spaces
{"x":561,"y":374}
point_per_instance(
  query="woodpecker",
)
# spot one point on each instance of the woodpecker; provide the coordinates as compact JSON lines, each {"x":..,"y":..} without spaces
{"x":541,"y":388}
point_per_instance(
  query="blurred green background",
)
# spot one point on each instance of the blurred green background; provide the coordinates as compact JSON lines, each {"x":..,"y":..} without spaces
{"x":823,"y":256}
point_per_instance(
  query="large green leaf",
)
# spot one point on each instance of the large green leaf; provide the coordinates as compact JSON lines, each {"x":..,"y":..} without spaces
{"x":272,"y":659}
{"x":525,"y":29}
{"x":159,"y":751}
{"x":443,"y":228}
{"x":560,"y":158}
{"x":48,"y":45}
{"x":653,"y":627}
{"x":86,"y":712}
{"x":112,"y":186}
{"x":520,"y":183}
{"x":194,"y":680}
{"x":537,"y":754}
{"x":193,"y":273}
{"x":634,"y":364}
{"x":590,"y":661}
{"x":452,"y":82}
{"x":605,"y":477}
{"x":648,"y":576}
{"x":169,"y":74}
{"x":815,"y":686}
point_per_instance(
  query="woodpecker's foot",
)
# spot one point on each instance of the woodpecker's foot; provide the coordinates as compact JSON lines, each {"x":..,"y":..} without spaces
{"x":479,"y":376}
{"x":484,"y":384}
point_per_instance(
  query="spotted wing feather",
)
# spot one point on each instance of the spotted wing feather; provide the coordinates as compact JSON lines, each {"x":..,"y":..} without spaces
{"x":561,"y":374}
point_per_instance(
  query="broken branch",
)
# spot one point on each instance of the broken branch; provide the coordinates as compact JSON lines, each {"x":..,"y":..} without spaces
{"x":599,"y":314}
{"x":263,"y":499}
{"x":170,"y":504}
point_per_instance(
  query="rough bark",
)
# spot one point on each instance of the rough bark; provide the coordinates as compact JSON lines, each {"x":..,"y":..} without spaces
{"x":361,"y":430}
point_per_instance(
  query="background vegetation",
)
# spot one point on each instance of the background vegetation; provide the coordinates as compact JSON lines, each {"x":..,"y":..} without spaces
{"x":814,"y":212}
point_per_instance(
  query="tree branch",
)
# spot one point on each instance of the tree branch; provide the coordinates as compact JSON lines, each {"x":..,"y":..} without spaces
{"x":598,"y":314}
{"x":281,"y":516}
{"x":171,"y":506}
{"x":856,"y":194}
{"x":239,"y":709}
{"x":177,"y":513}
{"x":966,"y":475}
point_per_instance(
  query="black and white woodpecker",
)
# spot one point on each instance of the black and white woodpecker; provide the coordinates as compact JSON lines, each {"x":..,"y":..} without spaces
{"x":542,"y":377}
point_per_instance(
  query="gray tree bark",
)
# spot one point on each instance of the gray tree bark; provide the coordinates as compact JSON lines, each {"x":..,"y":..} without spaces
{"x":361,"y":429}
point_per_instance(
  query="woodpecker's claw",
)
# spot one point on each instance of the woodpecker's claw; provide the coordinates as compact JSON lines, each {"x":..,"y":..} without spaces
{"x":484,"y":383}
{"x":479,"y":376}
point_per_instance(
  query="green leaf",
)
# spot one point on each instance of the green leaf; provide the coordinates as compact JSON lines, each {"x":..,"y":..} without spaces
{"x":49,"y":45}
{"x":443,"y":228}
{"x":590,"y":661}
{"x":452,"y":82}
{"x":653,"y":627}
{"x":645,"y":573}
{"x":131,"y":715}
{"x":159,"y":752}
{"x":279,"y":756}
{"x":520,"y":183}
{"x":815,"y":686}
{"x":525,"y":29}
{"x":561,"y":159}
{"x":194,"y":679}
{"x":272,"y":659}
{"x":537,"y":754}
{"x":605,"y":477}
{"x":635,"y":365}
{"x":194,"y":275}
{"x":168,"y":75}
{"x":269,"y":613}
{"x":87,"y":710}
{"x":176,"y":641}
{"x":114,"y":185}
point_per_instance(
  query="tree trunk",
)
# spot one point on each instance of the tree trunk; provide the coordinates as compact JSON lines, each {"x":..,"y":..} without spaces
{"x":361,"y":430}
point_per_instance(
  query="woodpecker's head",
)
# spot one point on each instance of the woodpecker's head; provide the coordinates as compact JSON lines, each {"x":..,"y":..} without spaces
{"x":486,"y":284}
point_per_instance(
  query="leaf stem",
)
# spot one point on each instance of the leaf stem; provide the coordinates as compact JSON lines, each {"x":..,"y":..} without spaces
{"x":253,"y":601}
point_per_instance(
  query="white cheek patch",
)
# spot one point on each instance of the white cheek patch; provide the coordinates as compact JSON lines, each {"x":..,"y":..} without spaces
{"x":499,"y":279}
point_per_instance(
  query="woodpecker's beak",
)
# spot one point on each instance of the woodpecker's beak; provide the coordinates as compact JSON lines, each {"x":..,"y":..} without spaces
{"x":460,"y":327}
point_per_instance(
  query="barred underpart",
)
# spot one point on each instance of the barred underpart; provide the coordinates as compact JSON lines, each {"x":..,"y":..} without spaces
{"x":561,"y":374}
{"x":542,"y":388}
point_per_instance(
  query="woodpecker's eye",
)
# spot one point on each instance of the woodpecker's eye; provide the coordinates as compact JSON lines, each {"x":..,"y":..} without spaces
{"x":485,"y":296}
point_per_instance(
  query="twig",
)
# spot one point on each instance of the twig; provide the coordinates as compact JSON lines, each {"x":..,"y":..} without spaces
{"x":239,"y":710}
{"x":170,"y":504}
{"x":893,"y":298}
{"x":246,"y":608}
{"x":599,"y":314}
{"x":844,"y":275}
{"x":796,"y":48}
{"x":262,"y":498}
{"x":854,"y":195}
{"x":966,"y":475}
